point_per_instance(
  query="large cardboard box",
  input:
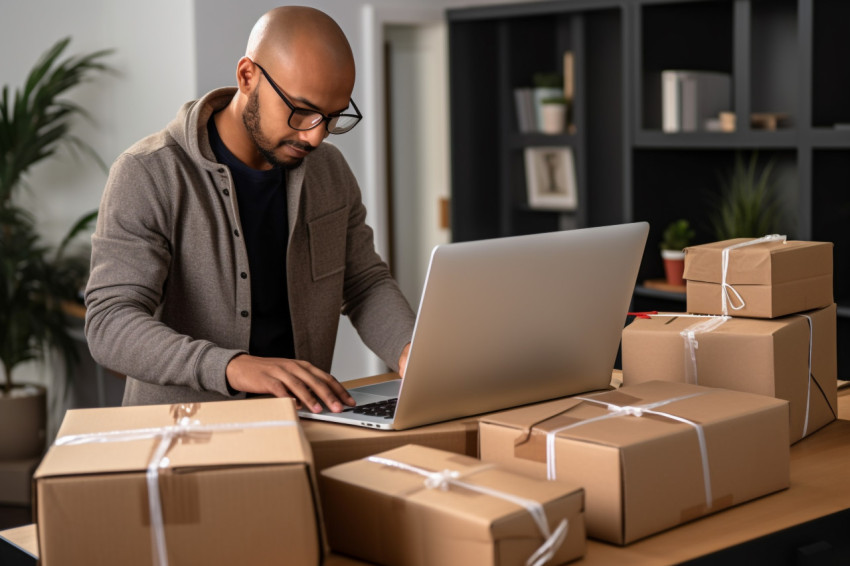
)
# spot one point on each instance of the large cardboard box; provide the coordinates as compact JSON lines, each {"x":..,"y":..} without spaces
{"x":644,"y":474}
{"x":236,"y":486}
{"x":787,"y":358}
{"x":770,"y":278}
{"x":419,"y":506}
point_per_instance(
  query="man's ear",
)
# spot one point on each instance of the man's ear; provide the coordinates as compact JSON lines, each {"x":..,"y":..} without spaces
{"x":247,"y":75}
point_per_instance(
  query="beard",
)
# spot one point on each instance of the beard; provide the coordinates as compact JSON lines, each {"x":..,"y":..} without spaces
{"x":251,"y":120}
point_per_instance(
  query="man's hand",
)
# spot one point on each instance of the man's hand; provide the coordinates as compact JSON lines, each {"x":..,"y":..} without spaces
{"x":287,"y":378}
{"x":402,"y":360}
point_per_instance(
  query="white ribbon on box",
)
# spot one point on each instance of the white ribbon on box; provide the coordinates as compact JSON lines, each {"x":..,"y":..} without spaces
{"x":552,"y":540}
{"x":809,"y":385}
{"x":634,"y":411}
{"x":692,"y":344}
{"x":726,"y":288}
{"x":184,"y":428}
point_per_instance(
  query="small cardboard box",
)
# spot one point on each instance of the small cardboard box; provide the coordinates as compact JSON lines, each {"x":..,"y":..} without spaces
{"x":767,"y":357}
{"x":773,"y":278}
{"x":383,"y":511}
{"x":644,"y":474}
{"x":237,"y":486}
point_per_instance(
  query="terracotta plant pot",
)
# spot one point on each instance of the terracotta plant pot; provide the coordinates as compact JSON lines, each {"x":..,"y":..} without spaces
{"x":674,"y":266}
{"x":23,"y":422}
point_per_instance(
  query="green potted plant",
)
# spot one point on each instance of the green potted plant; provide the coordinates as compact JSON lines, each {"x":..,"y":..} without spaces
{"x":546,"y":86}
{"x":34,"y":280}
{"x":748,"y":206}
{"x":677,"y":236}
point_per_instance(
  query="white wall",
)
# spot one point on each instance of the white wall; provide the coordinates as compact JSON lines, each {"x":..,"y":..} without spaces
{"x":419,"y":134}
{"x":154,"y":59}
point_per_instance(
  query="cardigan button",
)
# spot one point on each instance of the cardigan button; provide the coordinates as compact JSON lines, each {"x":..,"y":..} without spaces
{"x":244,"y":314}
{"x":221,"y":169}
{"x":243,"y":275}
{"x":236,"y":233}
{"x":226,"y":192}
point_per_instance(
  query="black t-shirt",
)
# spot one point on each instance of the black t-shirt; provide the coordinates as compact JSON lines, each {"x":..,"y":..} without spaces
{"x":261,"y":196}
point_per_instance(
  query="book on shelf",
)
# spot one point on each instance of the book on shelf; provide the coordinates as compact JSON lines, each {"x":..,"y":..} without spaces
{"x":569,"y":75}
{"x":690,"y":98}
{"x":525,"y":113}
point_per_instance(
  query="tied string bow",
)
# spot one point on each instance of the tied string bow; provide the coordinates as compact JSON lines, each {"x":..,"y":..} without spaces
{"x":726,"y":290}
{"x":184,"y":427}
{"x":442,"y":480}
{"x":634,"y":411}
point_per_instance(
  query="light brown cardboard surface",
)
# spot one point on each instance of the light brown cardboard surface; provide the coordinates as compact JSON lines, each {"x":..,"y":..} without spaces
{"x":229,"y":497}
{"x":767,"y":357}
{"x":644,"y":474}
{"x":773,"y":278}
{"x":455,"y":526}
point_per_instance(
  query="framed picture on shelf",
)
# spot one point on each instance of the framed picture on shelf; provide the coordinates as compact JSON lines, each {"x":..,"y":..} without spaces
{"x":550,"y":178}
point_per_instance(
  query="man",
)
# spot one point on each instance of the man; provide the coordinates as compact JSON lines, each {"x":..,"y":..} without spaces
{"x":228,"y":244}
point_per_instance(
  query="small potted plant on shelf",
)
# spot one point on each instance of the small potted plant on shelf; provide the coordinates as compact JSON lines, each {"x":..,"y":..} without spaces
{"x":677,"y":236}
{"x":35,"y":280}
{"x":546,"y":86}
{"x":554,"y":113}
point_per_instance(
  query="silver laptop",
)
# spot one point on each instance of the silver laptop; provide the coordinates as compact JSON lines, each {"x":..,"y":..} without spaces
{"x":506,"y":322}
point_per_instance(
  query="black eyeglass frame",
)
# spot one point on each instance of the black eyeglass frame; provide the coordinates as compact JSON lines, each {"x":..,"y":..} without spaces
{"x":326,"y":119}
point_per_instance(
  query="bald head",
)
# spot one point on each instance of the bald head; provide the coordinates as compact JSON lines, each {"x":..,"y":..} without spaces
{"x":297,"y":37}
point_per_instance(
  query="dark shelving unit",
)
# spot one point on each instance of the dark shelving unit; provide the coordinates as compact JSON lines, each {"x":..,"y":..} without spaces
{"x":784,"y":56}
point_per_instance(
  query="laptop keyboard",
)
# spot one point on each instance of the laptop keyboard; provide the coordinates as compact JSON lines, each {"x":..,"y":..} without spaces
{"x":385,"y":409}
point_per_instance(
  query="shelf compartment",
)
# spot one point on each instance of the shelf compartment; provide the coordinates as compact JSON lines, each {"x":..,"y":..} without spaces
{"x":774,"y":59}
{"x":830,"y":74}
{"x":697,"y":36}
{"x":831,"y":206}
{"x":682,"y":183}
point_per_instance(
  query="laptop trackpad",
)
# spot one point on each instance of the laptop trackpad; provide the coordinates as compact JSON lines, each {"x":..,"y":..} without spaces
{"x":376,"y":392}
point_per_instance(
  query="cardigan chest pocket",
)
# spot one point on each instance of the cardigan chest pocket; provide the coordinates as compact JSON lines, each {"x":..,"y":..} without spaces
{"x":327,"y":243}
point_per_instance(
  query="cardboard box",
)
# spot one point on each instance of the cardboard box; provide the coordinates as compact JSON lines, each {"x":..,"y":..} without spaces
{"x":387,"y":514}
{"x":19,"y":546}
{"x":644,"y":474}
{"x":239,"y":488}
{"x":767,"y":357}
{"x":334,"y":444}
{"x":773,"y":278}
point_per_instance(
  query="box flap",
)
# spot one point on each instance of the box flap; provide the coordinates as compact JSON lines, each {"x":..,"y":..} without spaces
{"x":266,"y":445}
{"x":758,"y":264}
{"x":527,"y":417}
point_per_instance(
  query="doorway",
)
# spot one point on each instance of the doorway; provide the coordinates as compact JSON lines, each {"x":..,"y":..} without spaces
{"x":417,"y":138}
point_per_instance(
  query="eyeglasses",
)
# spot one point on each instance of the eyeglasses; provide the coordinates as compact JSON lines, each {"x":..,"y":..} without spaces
{"x":303,"y":119}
